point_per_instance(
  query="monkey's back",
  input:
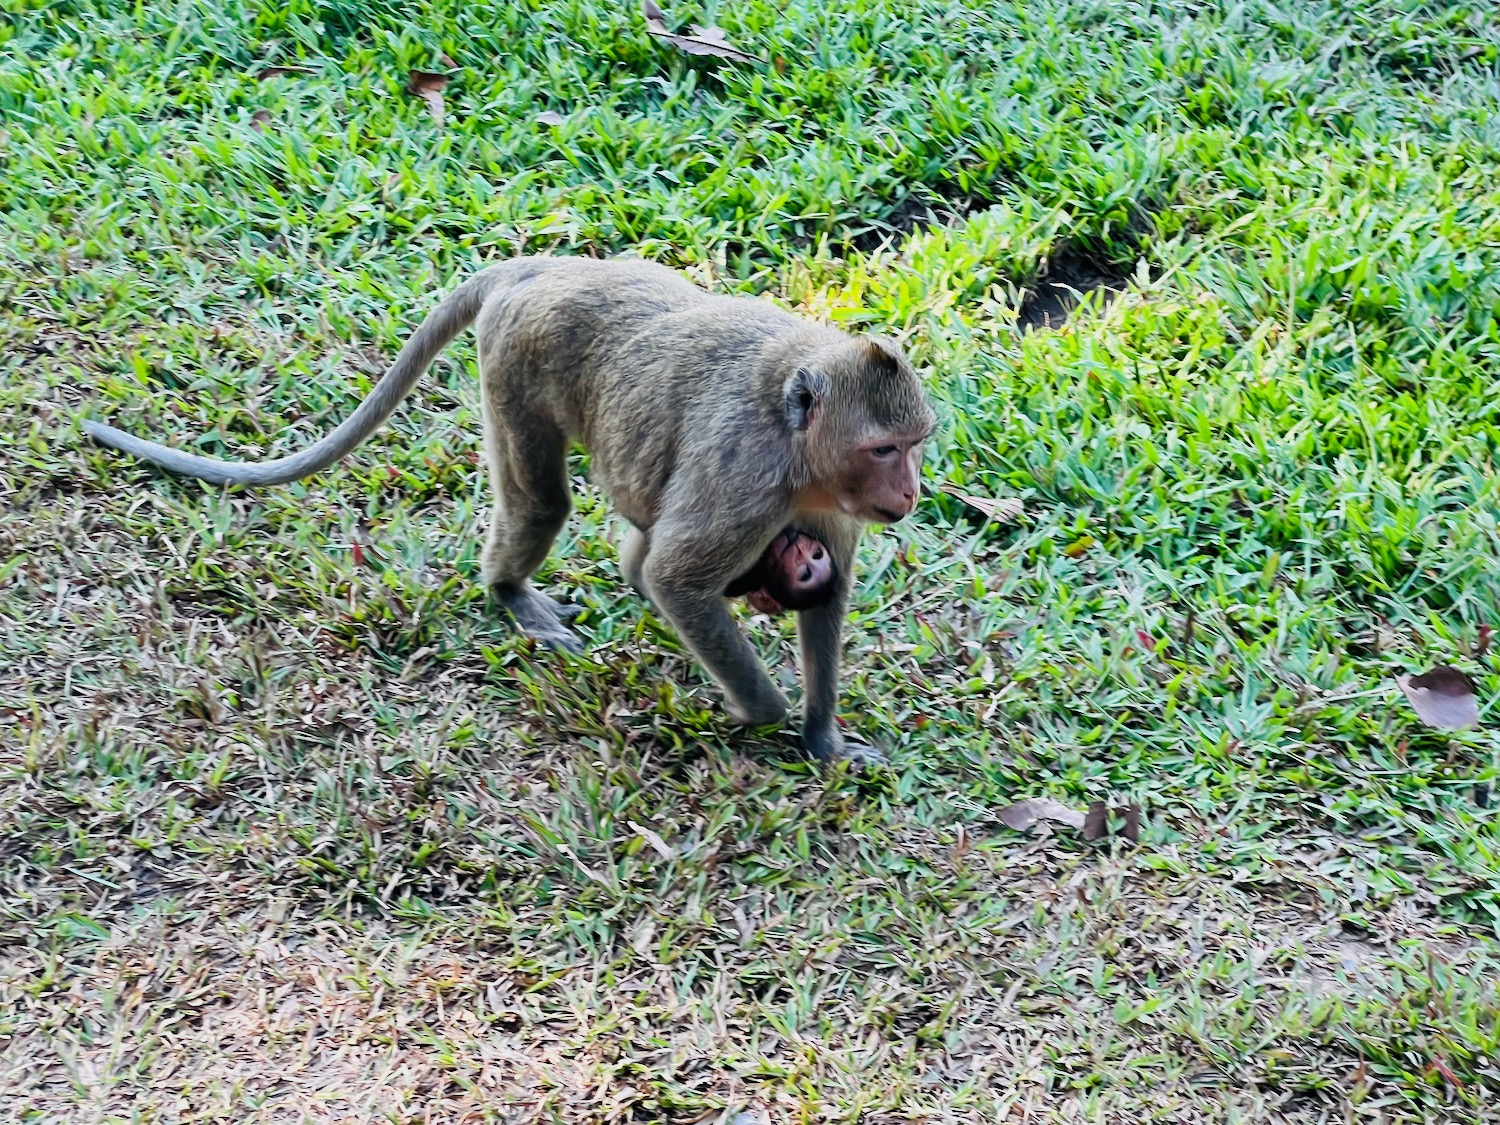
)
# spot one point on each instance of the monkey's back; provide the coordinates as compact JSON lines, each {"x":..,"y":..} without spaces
{"x":645,"y":369}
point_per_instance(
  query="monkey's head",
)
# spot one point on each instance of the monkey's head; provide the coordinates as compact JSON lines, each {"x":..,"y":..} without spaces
{"x":862,"y":418}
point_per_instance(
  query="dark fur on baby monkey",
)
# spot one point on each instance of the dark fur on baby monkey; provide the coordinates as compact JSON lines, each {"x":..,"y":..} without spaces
{"x":795,"y":572}
{"x":715,"y":425}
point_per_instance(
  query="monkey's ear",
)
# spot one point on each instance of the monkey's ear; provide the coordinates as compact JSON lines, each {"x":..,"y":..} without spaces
{"x":805,"y":391}
{"x":882,"y":355}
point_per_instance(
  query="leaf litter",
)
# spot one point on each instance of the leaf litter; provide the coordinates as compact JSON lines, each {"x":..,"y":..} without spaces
{"x":699,"y":40}
{"x":999,"y":510}
{"x":428,"y":85}
{"x":1024,"y":815}
{"x":1443,"y":698}
{"x":1097,"y":824}
{"x":282,"y":71}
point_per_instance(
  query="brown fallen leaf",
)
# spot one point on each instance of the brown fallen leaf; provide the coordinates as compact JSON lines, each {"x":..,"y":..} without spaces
{"x":258,"y":120}
{"x":549,"y":117}
{"x":1096,"y":824}
{"x":1025,"y":814}
{"x":656,"y":842}
{"x":428,"y":86}
{"x":998,"y":510}
{"x":698,"y":41}
{"x":1443,"y":698}
{"x":280,"y":71}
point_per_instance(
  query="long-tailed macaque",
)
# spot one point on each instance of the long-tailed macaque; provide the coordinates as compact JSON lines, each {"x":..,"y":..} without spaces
{"x":714,"y":424}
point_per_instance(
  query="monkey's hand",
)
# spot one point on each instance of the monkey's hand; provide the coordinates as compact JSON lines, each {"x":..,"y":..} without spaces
{"x":762,"y":601}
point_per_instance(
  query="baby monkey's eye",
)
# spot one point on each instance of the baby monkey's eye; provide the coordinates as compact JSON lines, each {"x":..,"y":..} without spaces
{"x":884,"y":450}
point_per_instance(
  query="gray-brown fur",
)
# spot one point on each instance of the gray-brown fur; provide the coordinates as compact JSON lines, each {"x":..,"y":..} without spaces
{"x":711,"y":423}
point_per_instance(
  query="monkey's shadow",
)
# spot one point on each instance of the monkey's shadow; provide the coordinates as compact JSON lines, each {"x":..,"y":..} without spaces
{"x":637,"y":689}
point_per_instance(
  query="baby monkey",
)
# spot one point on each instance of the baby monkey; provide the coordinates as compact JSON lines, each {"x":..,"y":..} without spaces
{"x":747,"y":448}
{"x":795,"y":572}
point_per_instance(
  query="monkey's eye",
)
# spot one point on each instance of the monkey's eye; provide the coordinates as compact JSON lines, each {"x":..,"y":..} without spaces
{"x":883,"y":450}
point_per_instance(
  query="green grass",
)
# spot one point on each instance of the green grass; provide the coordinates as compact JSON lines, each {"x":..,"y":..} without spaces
{"x":295,"y":832}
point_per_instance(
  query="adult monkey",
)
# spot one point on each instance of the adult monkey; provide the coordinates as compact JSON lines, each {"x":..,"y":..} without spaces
{"x":712,"y":423}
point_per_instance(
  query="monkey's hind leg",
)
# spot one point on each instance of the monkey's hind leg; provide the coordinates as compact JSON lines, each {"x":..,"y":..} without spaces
{"x":529,"y":475}
{"x":633,"y":559}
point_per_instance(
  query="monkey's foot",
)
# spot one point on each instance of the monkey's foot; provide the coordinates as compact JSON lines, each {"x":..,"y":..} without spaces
{"x":541,"y":618}
{"x":829,"y":747}
{"x":762,"y":713}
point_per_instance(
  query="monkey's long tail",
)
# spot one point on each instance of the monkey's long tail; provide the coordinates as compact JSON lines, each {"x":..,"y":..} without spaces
{"x":452,"y":315}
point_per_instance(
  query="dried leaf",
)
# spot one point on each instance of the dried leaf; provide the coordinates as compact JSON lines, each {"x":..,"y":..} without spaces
{"x":651,"y":838}
{"x":698,"y":41}
{"x":446,"y":61}
{"x":1443,"y":698}
{"x":258,"y":120}
{"x":960,"y":841}
{"x":741,"y":923}
{"x":1024,"y":814}
{"x":429,"y":87}
{"x":280,"y":71}
{"x":550,"y":117}
{"x":1440,"y":1065}
{"x":1096,"y":824}
{"x":998,"y":510}
{"x":644,"y":935}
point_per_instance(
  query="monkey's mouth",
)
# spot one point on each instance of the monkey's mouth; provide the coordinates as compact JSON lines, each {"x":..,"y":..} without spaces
{"x":887,"y":515}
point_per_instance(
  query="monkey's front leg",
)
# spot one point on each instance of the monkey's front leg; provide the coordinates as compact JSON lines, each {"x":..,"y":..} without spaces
{"x":696,"y":608}
{"x":821,"y":633}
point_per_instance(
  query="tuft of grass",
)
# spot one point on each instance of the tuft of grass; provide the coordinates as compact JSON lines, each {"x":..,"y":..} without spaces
{"x":299,"y":831}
